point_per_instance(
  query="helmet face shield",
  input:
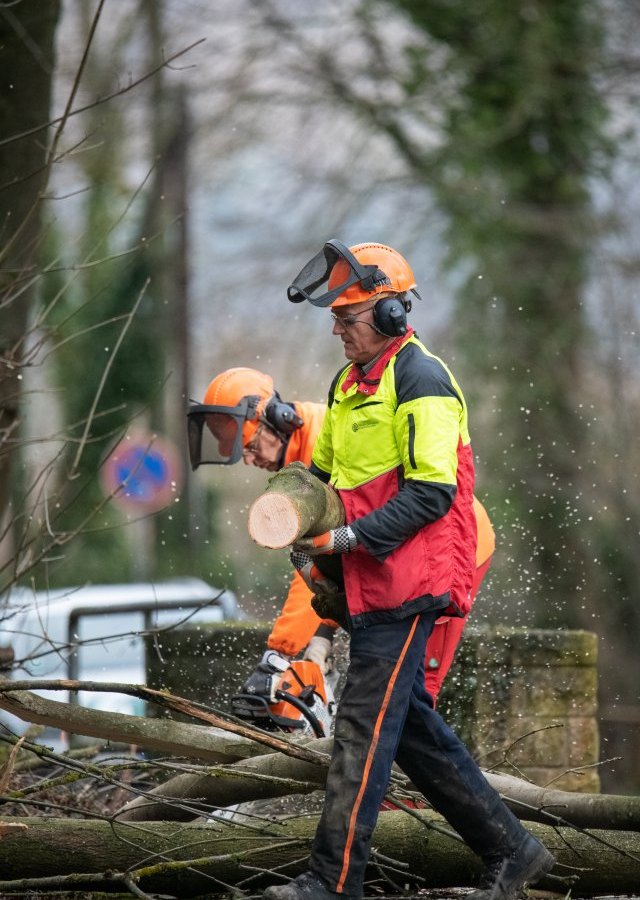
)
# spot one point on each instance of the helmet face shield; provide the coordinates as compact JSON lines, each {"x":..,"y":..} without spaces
{"x":215,"y":432}
{"x":312,"y":282}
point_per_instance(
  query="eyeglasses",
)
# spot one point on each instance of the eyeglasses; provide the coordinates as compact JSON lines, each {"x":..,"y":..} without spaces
{"x":253,"y":446}
{"x":350,"y":318}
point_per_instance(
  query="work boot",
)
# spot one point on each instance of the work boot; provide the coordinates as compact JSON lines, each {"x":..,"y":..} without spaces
{"x":505,"y":878}
{"x":305,"y":887}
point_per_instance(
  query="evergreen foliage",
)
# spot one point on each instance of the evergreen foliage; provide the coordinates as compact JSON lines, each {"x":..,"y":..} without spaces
{"x":522,"y":136}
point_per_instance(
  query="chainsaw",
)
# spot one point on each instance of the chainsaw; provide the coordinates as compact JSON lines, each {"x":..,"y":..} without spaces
{"x":303,"y":702}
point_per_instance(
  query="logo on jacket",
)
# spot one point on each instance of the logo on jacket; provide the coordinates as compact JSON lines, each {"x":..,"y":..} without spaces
{"x":358,"y":425}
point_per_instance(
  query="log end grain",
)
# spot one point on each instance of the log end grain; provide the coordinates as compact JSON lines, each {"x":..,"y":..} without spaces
{"x":274,"y":521}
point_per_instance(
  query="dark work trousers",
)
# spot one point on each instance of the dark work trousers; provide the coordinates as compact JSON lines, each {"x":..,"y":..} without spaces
{"x":385,"y":713}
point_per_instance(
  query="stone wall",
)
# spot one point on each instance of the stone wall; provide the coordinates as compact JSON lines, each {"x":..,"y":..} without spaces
{"x":524,"y":701}
{"x":207,"y":663}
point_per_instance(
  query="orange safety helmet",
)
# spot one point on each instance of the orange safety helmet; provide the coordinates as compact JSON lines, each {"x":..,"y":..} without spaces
{"x":234,"y":405}
{"x":340,"y":275}
{"x":398,"y":276}
{"x":236,"y":402}
{"x":230,"y":387}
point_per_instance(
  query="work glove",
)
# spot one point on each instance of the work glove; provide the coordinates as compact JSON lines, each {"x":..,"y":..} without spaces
{"x":338,"y":540}
{"x":311,"y":574}
{"x":319,"y":651}
{"x":265,"y":678}
{"x":332,"y":606}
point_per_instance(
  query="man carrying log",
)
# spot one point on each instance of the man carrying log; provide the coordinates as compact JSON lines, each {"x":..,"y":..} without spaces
{"x":242,"y":407}
{"x":395,"y":445}
{"x":242,"y":416}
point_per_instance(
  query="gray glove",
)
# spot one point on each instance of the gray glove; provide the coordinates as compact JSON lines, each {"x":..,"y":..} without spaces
{"x":319,"y":651}
{"x":265,"y":678}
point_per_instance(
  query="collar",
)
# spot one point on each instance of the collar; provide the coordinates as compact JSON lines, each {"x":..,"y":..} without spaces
{"x":368,"y":377}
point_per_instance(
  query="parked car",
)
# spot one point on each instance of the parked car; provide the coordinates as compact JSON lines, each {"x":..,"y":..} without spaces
{"x":96,"y":633}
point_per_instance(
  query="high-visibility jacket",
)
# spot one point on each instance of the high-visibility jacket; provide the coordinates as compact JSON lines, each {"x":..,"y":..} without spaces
{"x":395,"y":445}
{"x":296,"y":623}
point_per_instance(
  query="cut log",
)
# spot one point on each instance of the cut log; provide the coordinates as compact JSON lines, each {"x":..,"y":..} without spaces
{"x":295,"y":503}
{"x":222,"y":854}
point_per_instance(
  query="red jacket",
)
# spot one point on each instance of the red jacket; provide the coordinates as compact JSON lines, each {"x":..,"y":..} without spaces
{"x":395,"y":445}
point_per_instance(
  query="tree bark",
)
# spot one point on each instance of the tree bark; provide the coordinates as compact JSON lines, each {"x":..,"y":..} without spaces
{"x":217,"y":790}
{"x":222,"y":854}
{"x":538,"y":804}
{"x":26,"y":65}
{"x":294,"y":504}
{"x":226,"y":788}
{"x":285,"y":775}
{"x":163,"y":735}
{"x":283,"y":742}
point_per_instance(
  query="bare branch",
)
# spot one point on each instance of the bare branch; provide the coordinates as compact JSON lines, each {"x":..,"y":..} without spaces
{"x":101,"y":100}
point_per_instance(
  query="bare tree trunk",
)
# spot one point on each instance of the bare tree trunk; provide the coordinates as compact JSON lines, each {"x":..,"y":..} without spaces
{"x":26,"y":67}
{"x":205,"y":858}
{"x":295,"y":503}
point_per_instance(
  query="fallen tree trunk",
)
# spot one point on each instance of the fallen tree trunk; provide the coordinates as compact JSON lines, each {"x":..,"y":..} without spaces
{"x":260,"y":778}
{"x":277,"y":774}
{"x":295,"y":503}
{"x":537,"y":804}
{"x":221,"y":855}
{"x":210,"y":744}
{"x":288,"y":775}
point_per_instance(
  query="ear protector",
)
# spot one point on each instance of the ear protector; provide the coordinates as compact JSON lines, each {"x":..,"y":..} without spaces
{"x":390,"y":316}
{"x":282,"y":416}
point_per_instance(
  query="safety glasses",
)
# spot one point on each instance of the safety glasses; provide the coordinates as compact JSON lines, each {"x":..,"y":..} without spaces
{"x":350,"y":318}
{"x":215,"y":432}
{"x":310,"y":283}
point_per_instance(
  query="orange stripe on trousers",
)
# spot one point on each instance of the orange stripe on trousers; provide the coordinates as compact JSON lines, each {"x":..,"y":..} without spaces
{"x":369,"y":760}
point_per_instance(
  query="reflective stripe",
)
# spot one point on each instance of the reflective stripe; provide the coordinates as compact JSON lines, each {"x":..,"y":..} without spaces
{"x":412,"y":441}
{"x":370,"y":755}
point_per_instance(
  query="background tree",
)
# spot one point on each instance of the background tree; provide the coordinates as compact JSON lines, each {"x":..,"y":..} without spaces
{"x":510,"y":116}
{"x":522,"y":137}
{"x":26,"y":71}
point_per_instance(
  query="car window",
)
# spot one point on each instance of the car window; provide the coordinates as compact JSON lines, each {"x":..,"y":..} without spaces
{"x":110,"y":649}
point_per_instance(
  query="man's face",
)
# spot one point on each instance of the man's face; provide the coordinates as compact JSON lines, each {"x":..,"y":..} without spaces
{"x":263,"y":450}
{"x":354,"y":325}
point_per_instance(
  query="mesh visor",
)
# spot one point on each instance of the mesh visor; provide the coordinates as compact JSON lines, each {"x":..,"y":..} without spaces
{"x":312,"y":282}
{"x":215,"y":432}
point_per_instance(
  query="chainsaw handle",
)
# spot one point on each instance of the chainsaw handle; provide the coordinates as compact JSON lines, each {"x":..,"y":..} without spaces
{"x":311,"y":718}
